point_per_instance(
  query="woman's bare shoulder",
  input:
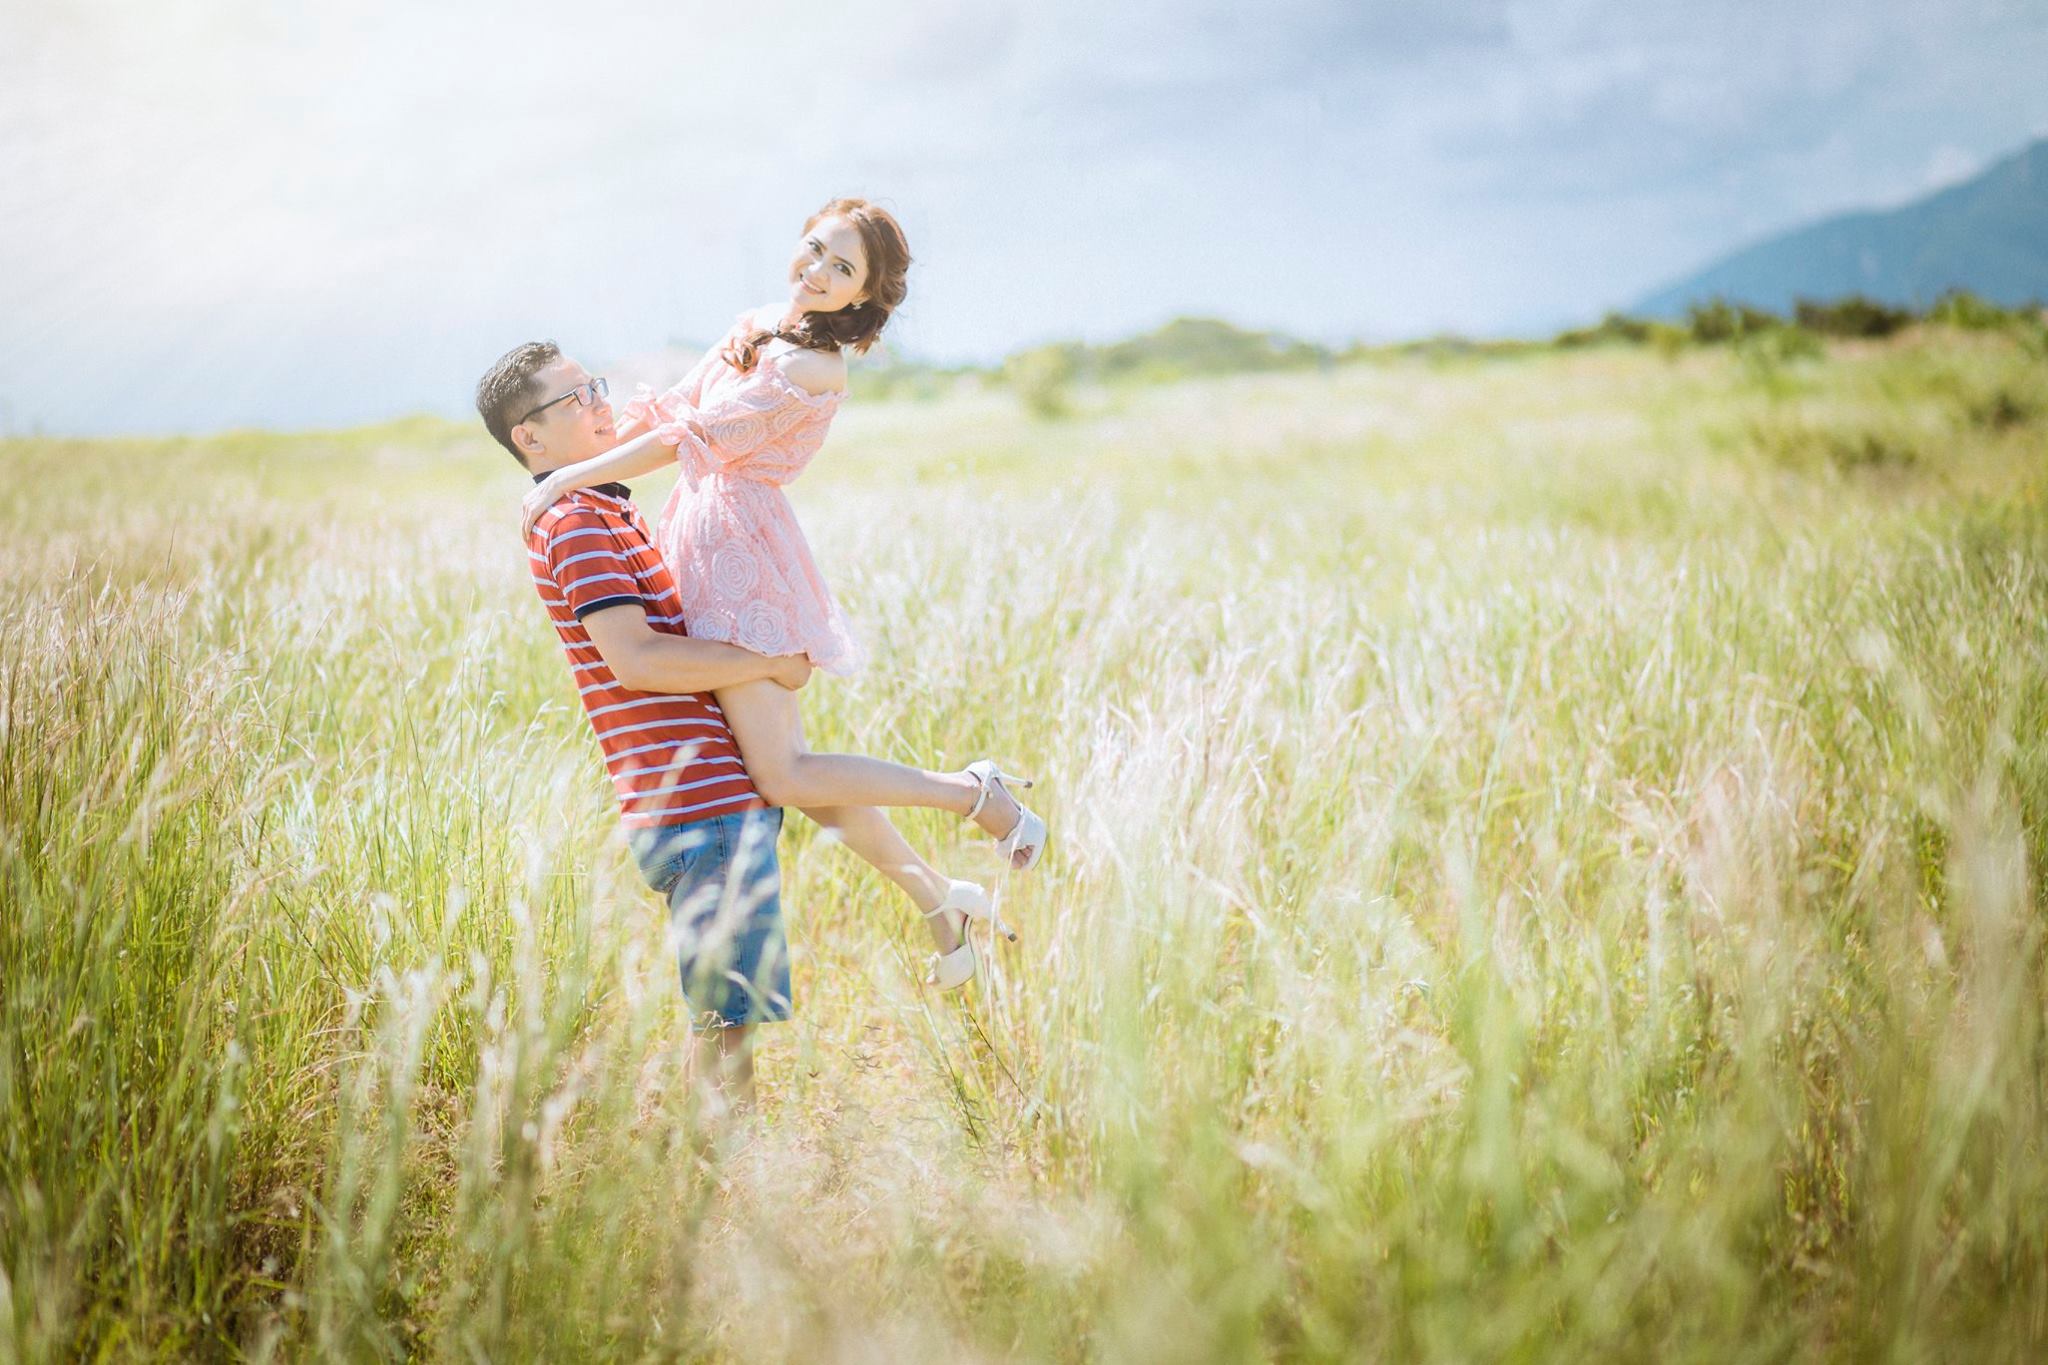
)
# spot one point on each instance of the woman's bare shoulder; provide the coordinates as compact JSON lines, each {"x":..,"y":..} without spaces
{"x":815,"y":372}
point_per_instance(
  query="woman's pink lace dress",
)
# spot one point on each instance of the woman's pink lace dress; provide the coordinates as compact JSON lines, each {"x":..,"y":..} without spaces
{"x":728,"y":533}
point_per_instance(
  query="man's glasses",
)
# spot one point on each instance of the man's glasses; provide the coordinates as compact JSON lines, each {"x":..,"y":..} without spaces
{"x":584,"y":394}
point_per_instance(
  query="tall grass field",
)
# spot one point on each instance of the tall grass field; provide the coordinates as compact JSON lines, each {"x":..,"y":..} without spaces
{"x":1546,"y":865}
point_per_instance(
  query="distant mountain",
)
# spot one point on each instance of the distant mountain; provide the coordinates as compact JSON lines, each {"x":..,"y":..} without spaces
{"x":1988,"y":235}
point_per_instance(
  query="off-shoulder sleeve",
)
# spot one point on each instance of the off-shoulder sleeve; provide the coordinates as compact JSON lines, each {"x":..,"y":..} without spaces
{"x":729,"y":431}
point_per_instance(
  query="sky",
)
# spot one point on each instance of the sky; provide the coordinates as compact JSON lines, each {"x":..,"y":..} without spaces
{"x":225,"y":213}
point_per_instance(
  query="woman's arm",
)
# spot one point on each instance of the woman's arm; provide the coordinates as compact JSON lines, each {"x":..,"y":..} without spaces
{"x":644,"y":454}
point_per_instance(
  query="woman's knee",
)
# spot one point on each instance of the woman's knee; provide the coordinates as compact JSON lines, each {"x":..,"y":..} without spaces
{"x":774,"y":785}
{"x":780,"y":780}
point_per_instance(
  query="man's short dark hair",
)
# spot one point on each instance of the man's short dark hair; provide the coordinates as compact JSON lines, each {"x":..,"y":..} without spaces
{"x":507,"y":391}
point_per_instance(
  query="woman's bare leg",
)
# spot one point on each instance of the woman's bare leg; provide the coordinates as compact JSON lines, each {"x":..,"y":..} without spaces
{"x":869,"y":833}
{"x":769,"y":728}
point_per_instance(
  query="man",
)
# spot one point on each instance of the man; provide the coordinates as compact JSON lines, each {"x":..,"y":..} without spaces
{"x":699,"y":830}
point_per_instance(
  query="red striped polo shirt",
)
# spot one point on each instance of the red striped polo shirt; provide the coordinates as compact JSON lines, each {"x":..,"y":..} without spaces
{"x":671,"y":757}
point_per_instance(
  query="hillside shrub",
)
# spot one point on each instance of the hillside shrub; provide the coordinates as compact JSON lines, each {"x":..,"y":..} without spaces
{"x":2004,"y":408}
{"x":1851,"y":316}
{"x":1807,"y":445}
{"x":1668,"y":340}
{"x":1971,"y":313}
{"x":1615,"y":328}
{"x":1718,"y":320}
{"x":1192,"y":346}
{"x":1041,"y":377}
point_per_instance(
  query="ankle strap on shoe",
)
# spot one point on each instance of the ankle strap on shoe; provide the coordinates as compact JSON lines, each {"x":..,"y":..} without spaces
{"x":982,"y":798}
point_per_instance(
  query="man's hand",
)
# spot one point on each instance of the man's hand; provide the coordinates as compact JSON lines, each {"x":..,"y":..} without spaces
{"x":539,"y":499}
{"x":792,"y":670}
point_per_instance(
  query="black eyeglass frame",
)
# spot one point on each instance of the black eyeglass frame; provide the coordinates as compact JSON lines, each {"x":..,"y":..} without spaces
{"x":597,"y":388}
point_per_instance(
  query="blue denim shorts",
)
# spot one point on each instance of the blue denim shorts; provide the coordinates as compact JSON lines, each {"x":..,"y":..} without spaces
{"x":724,"y":890}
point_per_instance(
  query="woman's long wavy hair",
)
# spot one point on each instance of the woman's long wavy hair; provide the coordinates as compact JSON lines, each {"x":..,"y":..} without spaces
{"x":855,"y":326}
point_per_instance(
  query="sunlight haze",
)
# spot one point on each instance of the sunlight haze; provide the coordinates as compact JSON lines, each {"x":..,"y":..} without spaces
{"x":228,"y":214}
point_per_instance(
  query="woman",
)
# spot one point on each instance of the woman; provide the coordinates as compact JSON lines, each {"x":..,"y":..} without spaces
{"x":747,"y":419}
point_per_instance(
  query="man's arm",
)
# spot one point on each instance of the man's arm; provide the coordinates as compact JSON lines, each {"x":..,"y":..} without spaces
{"x":648,"y":660}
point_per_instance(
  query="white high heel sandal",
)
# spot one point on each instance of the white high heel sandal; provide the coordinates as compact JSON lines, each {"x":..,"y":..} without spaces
{"x":1027,"y":833}
{"x":957,"y":968}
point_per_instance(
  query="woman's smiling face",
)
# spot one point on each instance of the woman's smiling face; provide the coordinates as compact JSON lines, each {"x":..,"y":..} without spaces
{"x":830,"y":270}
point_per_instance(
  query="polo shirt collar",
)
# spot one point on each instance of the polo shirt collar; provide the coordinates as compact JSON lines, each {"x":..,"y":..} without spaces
{"x":614,"y":490}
